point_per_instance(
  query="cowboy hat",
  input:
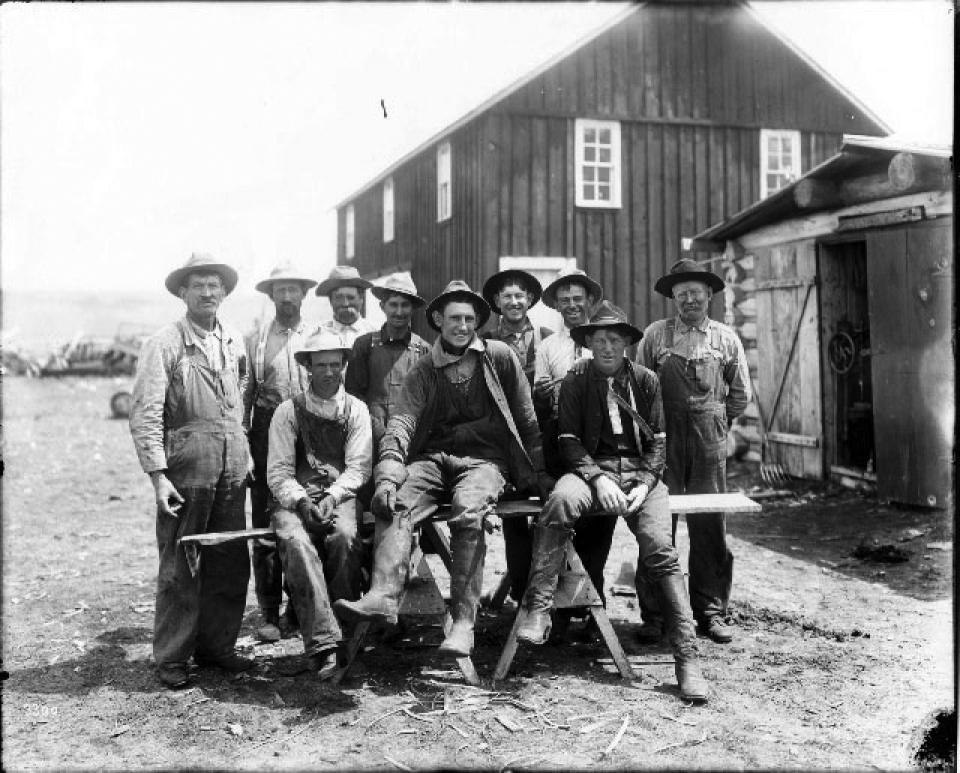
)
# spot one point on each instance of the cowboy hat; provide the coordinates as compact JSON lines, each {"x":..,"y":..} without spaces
{"x":284,"y":273}
{"x":607,"y":317}
{"x":568,"y":276}
{"x":201,"y":263}
{"x":493,"y":286}
{"x":458,"y":290}
{"x":342,"y":276}
{"x":321,"y":341}
{"x":687,"y":270}
{"x":398,"y":284}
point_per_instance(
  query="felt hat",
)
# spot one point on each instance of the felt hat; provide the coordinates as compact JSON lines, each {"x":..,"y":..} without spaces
{"x":491,"y":288}
{"x":687,"y":270}
{"x":201,"y":263}
{"x":284,"y":273}
{"x":458,"y":290}
{"x":398,"y":284}
{"x":606,"y":317}
{"x":342,"y":276}
{"x":321,"y":341}
{"x":567,"y":276}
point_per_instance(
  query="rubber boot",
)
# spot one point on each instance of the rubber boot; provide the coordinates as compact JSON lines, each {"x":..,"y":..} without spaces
{"x":549,"y":548}
{"x":466,"y":583}
{"x":391,"y":560}
{"x":683,"y":637}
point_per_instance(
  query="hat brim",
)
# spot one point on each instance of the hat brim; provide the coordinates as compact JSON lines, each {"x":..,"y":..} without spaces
{"x":227,"y":275}
{"x":467,"y":296}
{"x":266,"y":286}
{"x":580,"y":332}
{"x":383,"y":293}
{"x":327,"y":286}
{"x":665,"y":284}
{"x":594,"y":288}
{"x":301,"y":355}
{"x":491,"y":288}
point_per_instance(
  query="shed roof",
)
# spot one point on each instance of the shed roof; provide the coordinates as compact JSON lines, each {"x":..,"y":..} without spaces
{"x":859,"y":155}
{"x":577,"y":45}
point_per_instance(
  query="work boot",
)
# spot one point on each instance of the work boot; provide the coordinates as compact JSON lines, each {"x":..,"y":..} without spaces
{"x":173,"y":675}
{"x":270,"y":630}
{"x":324,"y":663}
{"x":229,"y":661}
{"x":390,"y":563}
{"x":651,"y":632}
{"x":549,"y":549}
{"x":717,"y":629}
{"x":683,"y":637}
{"x":466,"y":583}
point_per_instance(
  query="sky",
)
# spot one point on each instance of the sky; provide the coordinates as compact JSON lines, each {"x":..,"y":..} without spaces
{"x":135,"y":134}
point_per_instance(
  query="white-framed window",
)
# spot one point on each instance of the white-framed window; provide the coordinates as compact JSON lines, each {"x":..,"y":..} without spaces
{"x":444,"y":193}
{"x":779,"y":159}
{"x":597,"y":174}
{"x":388,"y":210}
{"x":349,"y":218}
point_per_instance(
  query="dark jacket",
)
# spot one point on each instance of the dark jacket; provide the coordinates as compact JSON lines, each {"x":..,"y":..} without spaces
{"x":582,"y":408}
{"x":410,"y":425}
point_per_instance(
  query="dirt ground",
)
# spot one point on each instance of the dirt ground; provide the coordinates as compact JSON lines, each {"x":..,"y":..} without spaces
{"x":839,"y":662}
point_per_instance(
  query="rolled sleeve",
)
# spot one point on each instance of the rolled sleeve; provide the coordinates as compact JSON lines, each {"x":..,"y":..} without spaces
{"x":282,"y":458}
{"x":357,"y":454}
{"x":737,"y":375}
{"x":154,"y":367}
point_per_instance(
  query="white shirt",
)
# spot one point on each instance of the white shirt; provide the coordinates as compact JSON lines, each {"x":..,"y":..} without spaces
{"x":555,"y":357}
{"x":349,"y":333}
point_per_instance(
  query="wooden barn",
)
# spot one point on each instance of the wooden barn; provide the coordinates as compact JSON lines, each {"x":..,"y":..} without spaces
{"x":668,"y":119}
{"x":850,"y":269}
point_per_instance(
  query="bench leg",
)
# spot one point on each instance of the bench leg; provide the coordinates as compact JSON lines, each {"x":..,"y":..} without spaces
{"x":510,"y":648}
{"x":495,"y":602}
{"x":352,"y":648}
{"x":612,"y":642}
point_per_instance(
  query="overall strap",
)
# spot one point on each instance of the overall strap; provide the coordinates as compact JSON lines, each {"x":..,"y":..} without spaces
{"x":668,"y":333}
{"x":258,"y":363}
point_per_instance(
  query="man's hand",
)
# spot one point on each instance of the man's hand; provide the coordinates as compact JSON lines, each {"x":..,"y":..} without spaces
{"x":325,"y":512}
{"x":545,"y":484}
{"x":251,"y":469}
{"x":580,"y":366}
{"x":384,"y":500}
{"x":636,"y":497}
{"x":168,"y":498}
{"x":611,"y":498}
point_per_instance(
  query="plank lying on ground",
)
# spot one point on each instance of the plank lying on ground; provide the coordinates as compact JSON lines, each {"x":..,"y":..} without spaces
{"x":216,"y":537}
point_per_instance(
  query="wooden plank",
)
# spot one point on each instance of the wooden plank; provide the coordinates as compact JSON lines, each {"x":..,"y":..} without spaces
{"x":651,"y":65}
{"x":697,"y":26}
{"x":808,"y":441}
{"x":687,"y":191}
{"x":640,"y":248}
{"x":669,"y":65}
{"x":633,"y":69}
{"x":219,"y":537}
{"x":657,"y":263}
{"x":672,"y":191}
{"x":509,"y":647}
{"x":729,"y":502}
{"x":716,"y":175}
{"x":681,"y":49}
{"x":879,"y":219}
{"x":603,"y":73}
{"x":619,"y":66}
{"x":810,"y":413}
{"x":505,"y":238}
{"x":557,"y":173}
{"x":520,"y":196}
{"x":587,"y":66}
{"x":785,"y":284}
{"x":539,"y":223}
{"x":701,"y":179}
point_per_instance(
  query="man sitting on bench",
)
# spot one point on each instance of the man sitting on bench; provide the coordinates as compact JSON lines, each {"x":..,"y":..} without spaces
{"x":612,"y":440}
{"x":464,"y":427}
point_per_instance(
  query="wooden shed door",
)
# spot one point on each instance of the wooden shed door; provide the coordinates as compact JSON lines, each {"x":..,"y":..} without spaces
{"x":910,"y":281}
{"x":788,"y":349}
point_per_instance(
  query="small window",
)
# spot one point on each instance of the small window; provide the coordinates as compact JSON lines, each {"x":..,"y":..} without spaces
{"x":349,"y":231}
{"x":779,"y":160}
{"x":388,"y":210}
{"x":597,"y":176}
{"x":444,"y":198}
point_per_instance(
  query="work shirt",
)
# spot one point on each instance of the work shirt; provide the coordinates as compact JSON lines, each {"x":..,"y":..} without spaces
{"x":275,"y":375}
{"x":161,"y":398}
{"x":555,"y":357}
{"x":348,"y":333}
{"x":525,"y":342}
{"x":710,"y":340}
{"x":282,"y":478}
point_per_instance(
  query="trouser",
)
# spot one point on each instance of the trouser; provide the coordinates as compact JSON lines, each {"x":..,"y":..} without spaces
{"x":267,"y":569}
{"x":319,"y":568}
{"x":696,"y":464}
{"x":202,"y":615}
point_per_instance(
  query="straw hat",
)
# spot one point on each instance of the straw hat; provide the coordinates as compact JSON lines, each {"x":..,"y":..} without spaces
{"x":458,"y":290}
{"x":567,"y":276}
{"x":284,"y":273}
{"x":687,"y":270}
{"x":201,"y":263}
{"x":342,"y":276}
{"x":606,"y":317}
{"x":491,"y":288}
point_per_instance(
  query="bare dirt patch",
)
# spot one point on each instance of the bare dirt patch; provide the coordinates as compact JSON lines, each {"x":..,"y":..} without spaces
{"x":839,"y":662}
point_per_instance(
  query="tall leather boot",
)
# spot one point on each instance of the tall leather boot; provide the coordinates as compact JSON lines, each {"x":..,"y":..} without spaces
{"x":466,"y":583}
{"x":549,"y":548}
{"x":391,"y":559}
{"x":683,"y":637}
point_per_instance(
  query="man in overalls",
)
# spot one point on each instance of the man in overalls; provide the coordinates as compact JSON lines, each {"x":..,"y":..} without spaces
{"x":275,"y":376}
{"x":705,"y":382}
{"x":345,"y":289}
{"x":382,"y":359}
{"x":320,"y":455}
{"x":465,"y":426}
{"x":510,"y":294}
{"x":187,"y":427}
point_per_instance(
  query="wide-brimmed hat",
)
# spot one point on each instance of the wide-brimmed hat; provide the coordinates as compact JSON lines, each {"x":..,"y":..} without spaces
{"x":201,"y":263}
{"x":606,"y":317}
{"x":491,"y":288}
{"x":342,"y":276}
{"x":567,"y":276}
{"x":398,"y":284}
{"x":284,"y":273}
{"x":321,"y":341}
{"x":687,"y":270}
{"x":458,"y":290}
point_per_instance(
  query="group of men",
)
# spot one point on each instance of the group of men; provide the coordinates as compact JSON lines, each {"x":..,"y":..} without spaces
{"x":325,"y":424}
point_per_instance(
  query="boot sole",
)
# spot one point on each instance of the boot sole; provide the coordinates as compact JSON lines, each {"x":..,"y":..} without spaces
{"x":453,"y":653}
{"x":354,"y":615}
